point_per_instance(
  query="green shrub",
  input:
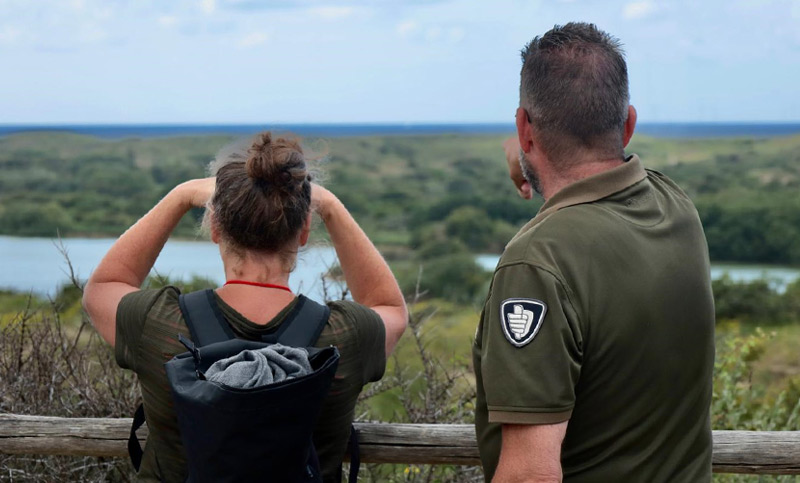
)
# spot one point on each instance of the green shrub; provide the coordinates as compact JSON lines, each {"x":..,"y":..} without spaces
{"x":740,"y":404}
{"x":756,"y":301}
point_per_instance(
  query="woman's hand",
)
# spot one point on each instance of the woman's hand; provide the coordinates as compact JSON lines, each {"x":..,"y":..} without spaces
{"x":321,"y":199}
{"x":198,"y":192}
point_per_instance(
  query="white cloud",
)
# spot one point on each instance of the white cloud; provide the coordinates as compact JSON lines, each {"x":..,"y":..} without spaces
{"x":208,"y":6}
{"x":9,"y":34}
{"x":433,"y":33}
{"x":455,"y":35}
{"x":430,"y":33}
{"x":92,"y":33}
{"x":167,"y":20}
{"x":639,"y":9}
{"x":253,"y":39}
{"x":332,"y":13}
{"x":407,"y":28}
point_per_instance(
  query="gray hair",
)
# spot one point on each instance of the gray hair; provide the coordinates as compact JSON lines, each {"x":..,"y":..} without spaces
{"x":574,"y":86}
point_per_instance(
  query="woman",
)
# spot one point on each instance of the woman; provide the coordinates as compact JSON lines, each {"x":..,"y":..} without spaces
{"x":259,"y":214}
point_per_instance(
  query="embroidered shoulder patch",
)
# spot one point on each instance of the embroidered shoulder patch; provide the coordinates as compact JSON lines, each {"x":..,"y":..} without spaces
{"x":521,"y":319}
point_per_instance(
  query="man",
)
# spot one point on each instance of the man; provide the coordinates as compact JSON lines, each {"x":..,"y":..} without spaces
{"x":595,"y":348}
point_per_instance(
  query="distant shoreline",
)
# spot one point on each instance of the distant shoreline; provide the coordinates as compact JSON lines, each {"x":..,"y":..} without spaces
{"x":677,"y":130}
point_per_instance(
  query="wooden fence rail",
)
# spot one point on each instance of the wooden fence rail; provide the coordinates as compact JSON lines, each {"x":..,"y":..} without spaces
{"x":757,"y":452}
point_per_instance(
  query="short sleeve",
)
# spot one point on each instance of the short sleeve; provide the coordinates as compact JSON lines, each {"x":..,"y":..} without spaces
{"x":132,"y":314}
{"x":370,"y":335}
{"x":531,"y":348}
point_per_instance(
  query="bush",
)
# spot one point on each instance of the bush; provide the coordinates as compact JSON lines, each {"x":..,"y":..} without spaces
{"x":52,"y":369}
{"x":45,"y":219}
{"x":455,"y":278}
{"x":739,"y":404}
{"x":756,"y":301}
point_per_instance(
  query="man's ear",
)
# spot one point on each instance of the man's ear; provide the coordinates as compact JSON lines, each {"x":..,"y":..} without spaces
{"x":524,"y":130}
{"x":306,"y":230}
{"x":630,"y":125}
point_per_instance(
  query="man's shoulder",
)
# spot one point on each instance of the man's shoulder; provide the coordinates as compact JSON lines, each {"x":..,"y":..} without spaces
{"x":560,"y":234}
{"x":655,"y":176}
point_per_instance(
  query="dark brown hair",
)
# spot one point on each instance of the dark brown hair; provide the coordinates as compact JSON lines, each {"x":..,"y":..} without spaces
{"x":574,"y":86}
{"x":263,"y":195}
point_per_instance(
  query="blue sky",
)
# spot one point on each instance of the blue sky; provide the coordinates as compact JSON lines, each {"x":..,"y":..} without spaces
{"x":306,"y":61}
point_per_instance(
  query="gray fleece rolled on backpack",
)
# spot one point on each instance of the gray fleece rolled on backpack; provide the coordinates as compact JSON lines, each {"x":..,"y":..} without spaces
{"x":255,"y":368}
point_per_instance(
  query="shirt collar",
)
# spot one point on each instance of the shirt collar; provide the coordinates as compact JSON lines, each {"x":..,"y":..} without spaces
{"x":591,"y":189}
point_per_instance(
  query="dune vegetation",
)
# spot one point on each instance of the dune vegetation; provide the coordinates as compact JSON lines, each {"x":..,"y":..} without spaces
{"x":431,"y":203}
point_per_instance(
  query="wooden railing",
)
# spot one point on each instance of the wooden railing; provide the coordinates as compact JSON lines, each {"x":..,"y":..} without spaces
{"x":756,"y":452}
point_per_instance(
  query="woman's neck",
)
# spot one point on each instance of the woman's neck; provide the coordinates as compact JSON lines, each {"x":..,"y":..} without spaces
{"x":259,"y":268}
{"x":257,"y":304}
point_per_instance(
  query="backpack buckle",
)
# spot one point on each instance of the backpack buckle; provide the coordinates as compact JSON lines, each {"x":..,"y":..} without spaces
{"x":195,"y":354}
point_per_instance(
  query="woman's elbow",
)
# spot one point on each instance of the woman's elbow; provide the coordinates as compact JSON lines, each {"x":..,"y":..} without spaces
{"x":100,"y":306}
{"x":395,"y":327}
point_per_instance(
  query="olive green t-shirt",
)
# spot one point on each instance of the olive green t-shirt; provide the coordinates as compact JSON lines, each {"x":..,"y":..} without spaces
{"x":600,"y":312}
{"x":148,"y":323}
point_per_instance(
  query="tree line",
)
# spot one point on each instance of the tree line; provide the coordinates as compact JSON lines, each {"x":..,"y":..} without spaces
{"x":431,"y":195}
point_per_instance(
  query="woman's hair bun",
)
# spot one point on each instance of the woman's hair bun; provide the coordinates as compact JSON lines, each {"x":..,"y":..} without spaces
{"x":263,"y":193}
{"x":260,"y":164}
{"x":279,"y":163}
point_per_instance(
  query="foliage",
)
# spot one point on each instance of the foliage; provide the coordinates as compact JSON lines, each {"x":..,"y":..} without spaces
{"x":428,"y":380}
{"x":54,"y":364}
{"x":50,"y":368}
{"x":404,"y":190}
{"x":454,"y":277}
{"x":737,"y":403}
{"x":756,"y":302}
{"x":740,"y":404}
{"x":81,"y":185}
{"x":746,"y":194}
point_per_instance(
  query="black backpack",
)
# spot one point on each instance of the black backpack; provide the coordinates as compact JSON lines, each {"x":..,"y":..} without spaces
{"x":255,"y":434}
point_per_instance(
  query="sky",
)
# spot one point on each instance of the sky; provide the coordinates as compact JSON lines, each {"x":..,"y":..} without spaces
{"x":378,"y":61}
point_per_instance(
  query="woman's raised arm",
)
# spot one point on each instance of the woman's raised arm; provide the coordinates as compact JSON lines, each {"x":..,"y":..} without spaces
{"x":368,"y":276}
{"x":127,"y":263}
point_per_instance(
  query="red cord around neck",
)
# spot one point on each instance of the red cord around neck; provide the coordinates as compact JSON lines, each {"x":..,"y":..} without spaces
{"x":258,"y":284}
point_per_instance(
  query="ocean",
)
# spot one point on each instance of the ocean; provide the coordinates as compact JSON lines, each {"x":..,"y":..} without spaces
{"x":663,"y":130}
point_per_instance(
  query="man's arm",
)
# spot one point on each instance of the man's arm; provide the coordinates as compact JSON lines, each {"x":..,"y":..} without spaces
{"x":531,"y":453}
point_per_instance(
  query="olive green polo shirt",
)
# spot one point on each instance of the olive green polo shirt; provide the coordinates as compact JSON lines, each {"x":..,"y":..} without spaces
{"x":600,"y":312}
{"x":148,"y":323}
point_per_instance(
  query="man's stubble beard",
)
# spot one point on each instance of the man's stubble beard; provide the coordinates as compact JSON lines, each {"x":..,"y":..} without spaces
{"x":529,"y":173}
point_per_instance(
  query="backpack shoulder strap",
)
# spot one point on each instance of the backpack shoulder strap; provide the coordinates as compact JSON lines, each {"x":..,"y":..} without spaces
{"x":355,"y":455}
{"x":204,"y":319}
{"x":303,"y":325}
{"x":134,"y":447}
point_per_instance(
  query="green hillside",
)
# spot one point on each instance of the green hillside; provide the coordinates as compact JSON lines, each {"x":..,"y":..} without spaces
{"x":432,"y":194}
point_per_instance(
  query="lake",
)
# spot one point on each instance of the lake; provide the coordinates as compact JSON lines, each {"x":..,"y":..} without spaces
{"x":779,"y":277}
{"x":37,"y":265}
